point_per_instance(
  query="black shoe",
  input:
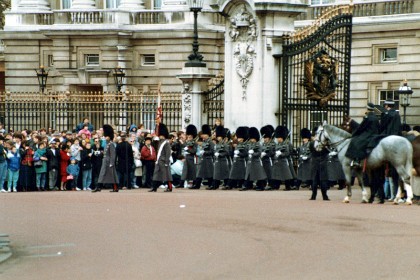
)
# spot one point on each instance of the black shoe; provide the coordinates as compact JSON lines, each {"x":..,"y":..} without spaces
{"x":226,"y":188}
{"x":326,"y":198}
{"x":268,"y":188}
{"x":167,"y":190}
{"x":152,"y":190}
{"x":193,"y":188}
{"x":259,"y":189}
{"x":96,"y":190}
{"x":312,"y":198}
{"x":113,"y":191}
{"x":244,"y":189}
{"x":210,"y":188}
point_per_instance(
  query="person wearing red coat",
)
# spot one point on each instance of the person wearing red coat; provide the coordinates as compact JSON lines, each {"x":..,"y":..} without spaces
{"x":64,"y":162}
{"x":148,"y":155}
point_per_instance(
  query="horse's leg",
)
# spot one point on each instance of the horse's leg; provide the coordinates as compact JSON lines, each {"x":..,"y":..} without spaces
{"x":347,"y":173}
{"x":362,"y":185}
{"x":405,"y":178}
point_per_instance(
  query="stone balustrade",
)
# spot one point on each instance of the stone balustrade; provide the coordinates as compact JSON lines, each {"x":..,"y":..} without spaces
{"x":365,"y":9}
{"x":71,"y":17}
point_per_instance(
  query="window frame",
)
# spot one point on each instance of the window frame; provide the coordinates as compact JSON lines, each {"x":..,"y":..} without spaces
{"x":87,"y":64}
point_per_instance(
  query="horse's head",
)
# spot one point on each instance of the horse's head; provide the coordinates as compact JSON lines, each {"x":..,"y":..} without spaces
{"x":321,"y":138}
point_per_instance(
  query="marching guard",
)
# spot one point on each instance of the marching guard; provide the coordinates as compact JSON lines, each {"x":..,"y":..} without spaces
{"x":281,"y":169}
{"x":221,"y":154}
{"x":254,"y":168}
{"x":238,"y":170}
{"x":162,"y":171}
{"x":304,"y":160}
{"x":189,"y":170}
{"x":206,"y":168}
{"x":268,"y":147}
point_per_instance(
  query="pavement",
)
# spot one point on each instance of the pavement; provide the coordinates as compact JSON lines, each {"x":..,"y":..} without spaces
{"x":200,"y":234}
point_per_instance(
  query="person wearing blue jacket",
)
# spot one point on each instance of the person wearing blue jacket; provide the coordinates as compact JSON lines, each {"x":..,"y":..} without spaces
{"x":13,"y":164}
{"x":73,"y":169}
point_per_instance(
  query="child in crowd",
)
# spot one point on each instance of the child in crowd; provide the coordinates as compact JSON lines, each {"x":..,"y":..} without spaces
{"x":73,"y":174}
{"x":85,"y":131}
{"x":13,"y":164}
{"x":75,"y":149}
{"x":86,"y":166}
{"x":41,"y":171}
{"x":3,"y":164}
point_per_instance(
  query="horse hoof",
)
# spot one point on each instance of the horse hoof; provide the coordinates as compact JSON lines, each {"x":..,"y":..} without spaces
{"x":408,"y":203}
{"x":346,"y":201}
{"x":365,"y":201}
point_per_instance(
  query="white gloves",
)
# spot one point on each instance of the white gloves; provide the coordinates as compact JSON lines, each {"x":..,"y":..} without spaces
{"x":235,"y":156}
{"x":251,"y":152}
{"x":332,"y":154}
{"x":186,"y":149}
{"x":236,"y":152}
{"x":278,"y":153}
{"x":216,"y":154}
{"x":263,"y":154}
{"x":110,"y":165}
{"x":304,"y":158}
{"x":202,"y":152}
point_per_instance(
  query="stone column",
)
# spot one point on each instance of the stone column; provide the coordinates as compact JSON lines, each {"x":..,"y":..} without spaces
{"x":252,"y":74}
{"x":32,"y":5}
{"x":194,"y":81}
{"x":132,"y":5}
{"x":83,"y":4}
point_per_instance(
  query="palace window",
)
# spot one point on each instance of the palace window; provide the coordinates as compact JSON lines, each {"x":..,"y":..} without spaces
{"x":389,"y":95}
{"x":148,"y":60}
{"x":157,"y":4}
{"x":92,"y":59}
{"x":65,"y":4}
{"x":388,"y":55}
{"x":50,"y":60}
{"x":112,"y":4}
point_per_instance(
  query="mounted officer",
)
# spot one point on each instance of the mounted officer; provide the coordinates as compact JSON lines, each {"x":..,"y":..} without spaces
{"x":390,"y":120}
{"x":362,"y":135}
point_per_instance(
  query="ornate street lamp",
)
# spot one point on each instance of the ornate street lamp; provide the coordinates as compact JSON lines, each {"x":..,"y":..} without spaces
{"x":195,"y":59}
{"x":119,"y":77}
{"x":405,"y":94}
{"x":42,"y":77}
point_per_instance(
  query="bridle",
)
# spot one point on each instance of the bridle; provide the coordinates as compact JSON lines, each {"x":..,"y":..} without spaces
{"x":326,"y":142}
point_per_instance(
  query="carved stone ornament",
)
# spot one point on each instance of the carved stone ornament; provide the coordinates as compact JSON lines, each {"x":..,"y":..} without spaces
{"x":320,"y":80}
{"x":243,"y":31}
{"x":186,"y":105}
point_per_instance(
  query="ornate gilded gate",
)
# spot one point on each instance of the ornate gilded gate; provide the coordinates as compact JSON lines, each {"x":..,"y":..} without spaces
{"x":316,"y":73}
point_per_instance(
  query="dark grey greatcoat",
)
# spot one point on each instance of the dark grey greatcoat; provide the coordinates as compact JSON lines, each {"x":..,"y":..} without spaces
{"x":268,"y":149}
{"x":304,"y":163}
{"x":237,"y":172}
{"x":335,"y":170}
{"x":254,"y":168}
{"x":206,"y":166}
{"x":221,"y":164}
{"x":319,"y":163}
{"x":281,"y":169}
{"x":189,"y":170}
{"x":290,"y":159}
{"x":108,"y":173}
{"x":162,"y":171}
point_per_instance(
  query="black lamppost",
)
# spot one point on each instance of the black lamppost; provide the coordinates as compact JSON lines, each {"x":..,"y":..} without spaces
{"x":119,"y":76}
{"x":42,"y":77}
{"x":195,"y":59}
{"x":405,"y":94}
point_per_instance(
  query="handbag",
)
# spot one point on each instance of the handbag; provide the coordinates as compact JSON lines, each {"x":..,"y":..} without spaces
{"x":70,"y":177}
{"x":138,"y":163}
{"x":38,"y":163}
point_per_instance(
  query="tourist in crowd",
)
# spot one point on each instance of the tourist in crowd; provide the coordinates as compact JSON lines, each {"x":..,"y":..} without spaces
{"x":41,"y":170}
{"x":13,"y":165}
{"x":85,"y":122}
{"x":73,"y":173}
{"x":64,"y":162}
{"x":148,"y":156}
{"x":98,"y":154}
{"x":26,"y":173}
{"x":53,"y":166}
{"x":137,"y":172}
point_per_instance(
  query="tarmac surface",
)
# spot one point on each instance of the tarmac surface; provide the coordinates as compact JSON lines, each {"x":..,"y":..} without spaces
{"x":200,"y":234}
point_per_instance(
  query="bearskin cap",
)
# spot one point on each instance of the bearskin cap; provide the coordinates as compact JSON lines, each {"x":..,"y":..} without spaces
{"x":267,"y":131}
{"x":163,"y":131}
{"x":305,"y":133}
{"x":242,"y":132}
{"x":220,"y":131}
{"x":191,"y":130}
{"x":281,"y":132}
{"x":254,"y":133}
{"x":108,"y":131}
{"x":205,"y":129}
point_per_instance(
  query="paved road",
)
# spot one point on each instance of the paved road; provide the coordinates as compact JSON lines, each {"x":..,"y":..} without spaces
{"x":217,"y":235}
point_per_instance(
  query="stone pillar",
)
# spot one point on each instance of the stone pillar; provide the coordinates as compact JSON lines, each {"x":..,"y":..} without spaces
{"x":252,"y":74}
{"x":32,"y":5}
{"x":194,"y":80}
{"x":132,"y":5}
{"x":83,"y":4}
{"x":174,"y":5}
